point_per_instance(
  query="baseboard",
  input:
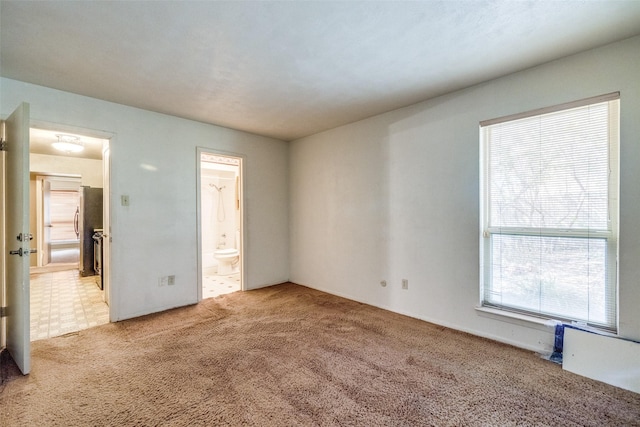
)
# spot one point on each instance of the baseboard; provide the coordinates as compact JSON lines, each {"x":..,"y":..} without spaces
{"x":438,"y":322}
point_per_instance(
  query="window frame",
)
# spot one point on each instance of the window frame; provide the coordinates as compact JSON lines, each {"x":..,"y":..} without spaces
{"x":611,"y":234}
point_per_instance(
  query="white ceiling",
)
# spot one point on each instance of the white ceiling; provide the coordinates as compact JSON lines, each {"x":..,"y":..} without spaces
{"x":292,"y":68}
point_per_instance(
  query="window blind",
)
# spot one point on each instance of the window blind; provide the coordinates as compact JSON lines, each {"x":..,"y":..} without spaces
{"x":63,"y":205}
{"x":550,"y":213}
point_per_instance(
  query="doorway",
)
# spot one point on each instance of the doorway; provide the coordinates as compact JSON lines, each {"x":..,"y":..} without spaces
{"x":221,"y":220}
{"x":68,"y":219}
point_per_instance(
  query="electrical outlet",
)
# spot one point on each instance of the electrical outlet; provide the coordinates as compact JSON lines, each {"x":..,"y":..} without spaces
{"x":383,"y":283}
{"x":171,"y":280}
{"x":162,"y":281}
{"x":405,"y":284}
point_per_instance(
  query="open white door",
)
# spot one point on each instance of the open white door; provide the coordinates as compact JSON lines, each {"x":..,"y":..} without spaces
{"x":17,"y":236}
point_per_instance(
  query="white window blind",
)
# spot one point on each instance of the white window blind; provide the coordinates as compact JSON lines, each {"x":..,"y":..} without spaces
{"x":63,"y":205}
{"x":549,"y":214}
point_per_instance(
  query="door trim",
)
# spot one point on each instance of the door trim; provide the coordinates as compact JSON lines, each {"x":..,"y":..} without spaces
{"x":111,"y":291}
{"x":3,"y":303}
{"x":243,"y":217}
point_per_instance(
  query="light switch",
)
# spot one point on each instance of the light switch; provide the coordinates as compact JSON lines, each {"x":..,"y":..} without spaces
{"x":124,"y":200}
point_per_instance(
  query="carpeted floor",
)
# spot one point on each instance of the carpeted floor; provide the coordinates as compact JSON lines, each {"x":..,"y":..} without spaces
{"x":289,"y":356}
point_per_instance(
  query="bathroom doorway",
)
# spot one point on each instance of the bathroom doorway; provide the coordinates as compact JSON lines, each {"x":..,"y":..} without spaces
{"x":221,"y":220}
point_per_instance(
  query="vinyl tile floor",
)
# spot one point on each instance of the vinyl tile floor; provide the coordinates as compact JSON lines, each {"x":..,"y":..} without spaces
{"x":214,"y":285}
{"x":62,"y":302}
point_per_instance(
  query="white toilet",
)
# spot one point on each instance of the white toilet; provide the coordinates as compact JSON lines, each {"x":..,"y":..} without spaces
{"x":226,"y":259}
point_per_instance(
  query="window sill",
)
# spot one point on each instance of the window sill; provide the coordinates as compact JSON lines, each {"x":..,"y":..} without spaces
{"x":515,"y":318}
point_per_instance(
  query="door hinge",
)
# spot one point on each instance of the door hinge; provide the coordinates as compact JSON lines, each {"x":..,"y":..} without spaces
{"x":3,"y":311}
{"x":3,"y":144}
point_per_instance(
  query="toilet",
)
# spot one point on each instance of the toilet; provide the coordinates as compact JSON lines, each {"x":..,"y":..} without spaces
{"x":226,"y":259}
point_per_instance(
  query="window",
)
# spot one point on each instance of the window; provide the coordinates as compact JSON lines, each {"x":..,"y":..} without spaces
{"x":549,"y":211}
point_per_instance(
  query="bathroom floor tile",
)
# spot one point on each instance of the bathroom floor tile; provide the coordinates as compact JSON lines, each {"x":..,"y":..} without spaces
{"x":213,"y":286}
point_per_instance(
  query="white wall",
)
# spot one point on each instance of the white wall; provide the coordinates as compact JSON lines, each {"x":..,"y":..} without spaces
{"x":157,"y":234}
{"x":396,"y":197}
{"x":89,"y":169}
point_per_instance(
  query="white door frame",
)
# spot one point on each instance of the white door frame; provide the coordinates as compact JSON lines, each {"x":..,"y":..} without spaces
{"x":243,"y":216}
{"x":3,"y":341}
{"x":106,"y":222}
{"x":3,"y":298}
{"x":109,"y":289}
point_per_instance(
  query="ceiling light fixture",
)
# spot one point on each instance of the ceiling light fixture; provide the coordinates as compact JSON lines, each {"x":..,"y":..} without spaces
{"x":68,"y":144}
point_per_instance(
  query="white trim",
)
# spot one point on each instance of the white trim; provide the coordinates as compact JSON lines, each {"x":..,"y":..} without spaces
{"x":515,"y":318}
{"x":550,"y":232}
{"x":546,"y":110}
{"x":498,"y":338}
{"x":60,"y":127}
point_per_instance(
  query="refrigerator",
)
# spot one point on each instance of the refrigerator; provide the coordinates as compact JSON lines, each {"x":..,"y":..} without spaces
{"x":88,"y":218}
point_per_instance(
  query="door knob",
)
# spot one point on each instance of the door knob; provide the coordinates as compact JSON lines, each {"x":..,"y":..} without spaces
{"x":18,"y":252}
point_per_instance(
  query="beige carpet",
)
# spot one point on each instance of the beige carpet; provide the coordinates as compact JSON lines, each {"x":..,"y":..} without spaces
{"x":290,"y":356}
